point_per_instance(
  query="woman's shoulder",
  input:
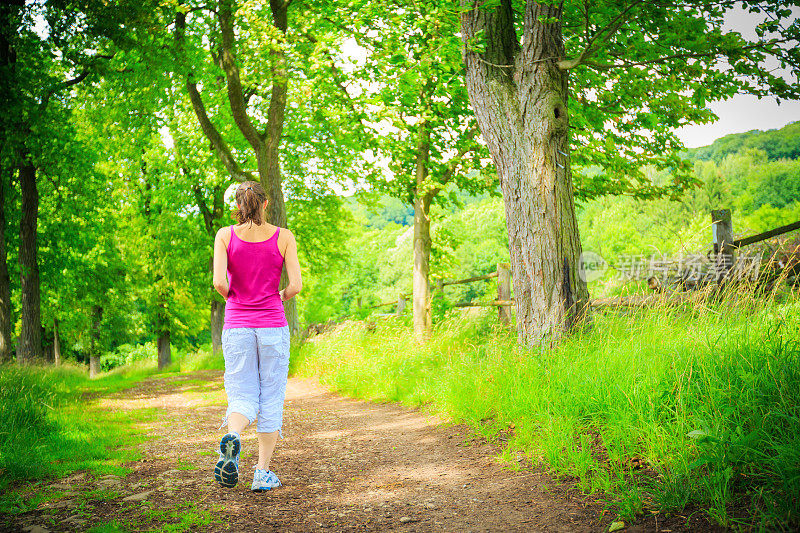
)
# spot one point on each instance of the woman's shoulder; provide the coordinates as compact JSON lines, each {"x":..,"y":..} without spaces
{"x":285,"y":238}
{"x":285,"y":234}
{"x":224,"y":233}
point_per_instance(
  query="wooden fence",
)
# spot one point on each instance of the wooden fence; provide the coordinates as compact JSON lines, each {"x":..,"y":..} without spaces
{"x":722,"y":255}
{"x":503,"y":301}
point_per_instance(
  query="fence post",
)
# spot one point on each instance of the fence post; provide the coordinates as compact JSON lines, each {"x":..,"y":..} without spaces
{"x":401,"y":304}
{"x":439,"y":288}
{"x":722,"y":230}
{"x":504,"y":292}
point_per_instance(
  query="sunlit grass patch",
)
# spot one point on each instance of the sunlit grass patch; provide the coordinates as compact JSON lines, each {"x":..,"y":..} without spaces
{"x":114,"y":526}
{"x":185,"y":517}
{"x":202,"y":359}
{"x":53,"y":426}
{"x":656,"y":408}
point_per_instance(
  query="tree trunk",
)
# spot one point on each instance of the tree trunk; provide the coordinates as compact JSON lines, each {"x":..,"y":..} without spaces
{"x":7,"y":96}
{"x":94,"y":364}
{"x":94,"y":353}
{"x":56,"y":344}
{"x":217,"y":315}
{"x":503,"y":292}
{"x":520,"y":100}
{"x":162,"y":330}
{"x":270,"y":174}
{"x":5,"y":280}
{"x":267,"y":154}
{"x":266,"y":145}
{"x":422,"y":239}
{"x":30,"y":339}
{"x":217,"y":321}
{"x":164,"y":351}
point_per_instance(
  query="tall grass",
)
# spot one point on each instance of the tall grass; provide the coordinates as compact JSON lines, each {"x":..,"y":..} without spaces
{"x":659,"y":408}
{"x":51,"y":425}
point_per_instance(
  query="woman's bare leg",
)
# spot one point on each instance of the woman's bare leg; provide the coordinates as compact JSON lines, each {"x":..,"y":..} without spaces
{"x":237,"y":422}
{"x":266,"y":445}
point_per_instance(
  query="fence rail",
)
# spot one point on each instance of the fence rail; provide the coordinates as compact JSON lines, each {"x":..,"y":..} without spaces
{"x":752,"y":239}
{"x":470,"y":280}
{"x":724,"y":246}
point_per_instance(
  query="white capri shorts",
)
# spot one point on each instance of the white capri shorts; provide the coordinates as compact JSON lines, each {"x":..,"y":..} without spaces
{"x":256,"y":370}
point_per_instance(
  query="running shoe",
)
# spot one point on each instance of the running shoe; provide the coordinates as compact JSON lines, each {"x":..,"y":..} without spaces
{"x":226,"y":471}
{"x":264,"y":480}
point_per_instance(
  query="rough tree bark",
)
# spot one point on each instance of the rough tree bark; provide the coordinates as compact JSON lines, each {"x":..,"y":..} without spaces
{"x":266,"y":144}
{"x":520,"y":100}
{"x":29,"y":347}
{"x":422,"y":238}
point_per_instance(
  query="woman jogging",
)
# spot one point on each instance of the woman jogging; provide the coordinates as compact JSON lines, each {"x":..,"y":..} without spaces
{"x":255,"y":337}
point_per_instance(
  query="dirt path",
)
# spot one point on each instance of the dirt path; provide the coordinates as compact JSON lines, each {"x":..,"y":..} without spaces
{"x":346,"y":465}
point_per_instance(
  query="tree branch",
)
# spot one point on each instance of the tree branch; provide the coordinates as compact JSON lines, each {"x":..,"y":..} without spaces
{"x":592,"y":45}
{"x":686,"y":55}
{"x":280,"y":84}
{"x":218,"y":145}
{"x":235,"y":91}
{"x":496,"y":27}
{"x":208,"y":217}
{"x":87,"y":69}
{"x":219,"y":201}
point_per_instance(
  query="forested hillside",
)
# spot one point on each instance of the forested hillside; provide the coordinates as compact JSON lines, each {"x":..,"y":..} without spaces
{"x":776,"y":144}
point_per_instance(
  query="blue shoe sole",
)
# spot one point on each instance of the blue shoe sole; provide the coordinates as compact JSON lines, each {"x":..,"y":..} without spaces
{"x":226,"y":471}
{"x":264,"y":489}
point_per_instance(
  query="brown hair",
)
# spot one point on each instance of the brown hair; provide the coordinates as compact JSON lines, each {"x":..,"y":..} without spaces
{"x":250,"y":196}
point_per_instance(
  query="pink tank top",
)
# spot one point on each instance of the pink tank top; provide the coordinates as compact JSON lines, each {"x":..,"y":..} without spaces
{"x":254,"y":273}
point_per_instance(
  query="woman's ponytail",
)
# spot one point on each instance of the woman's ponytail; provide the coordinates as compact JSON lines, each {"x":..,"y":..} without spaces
{"x":250,"y":196}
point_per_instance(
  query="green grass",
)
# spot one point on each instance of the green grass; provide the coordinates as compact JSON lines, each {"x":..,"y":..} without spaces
{"x":705,"y":395}
{"x":52,"y":426}
{"x":184,"y":465}
{"x":112,"y":527}
{"x":202,"y":359}
{"x":185,"y":517}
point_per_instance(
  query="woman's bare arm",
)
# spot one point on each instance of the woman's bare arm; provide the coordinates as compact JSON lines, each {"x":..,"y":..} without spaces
{"x":221,"y":264}
{"x":292,"y":265}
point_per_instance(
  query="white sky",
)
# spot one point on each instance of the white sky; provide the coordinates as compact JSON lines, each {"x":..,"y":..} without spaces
{"x":743,"y":112}
{"x":740,"y":114}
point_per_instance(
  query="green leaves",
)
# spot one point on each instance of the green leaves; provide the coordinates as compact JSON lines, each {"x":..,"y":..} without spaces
{"x":651,"y":69}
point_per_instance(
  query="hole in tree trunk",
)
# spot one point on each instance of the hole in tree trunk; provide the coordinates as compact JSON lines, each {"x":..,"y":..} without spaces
{"x":557,"y":112}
